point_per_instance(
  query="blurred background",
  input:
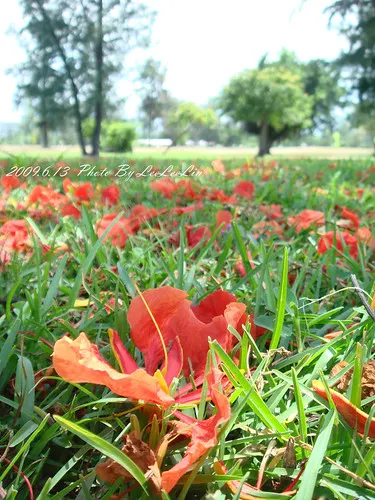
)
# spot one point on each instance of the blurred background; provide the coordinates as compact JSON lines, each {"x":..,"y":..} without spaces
{"x":112,"y":75}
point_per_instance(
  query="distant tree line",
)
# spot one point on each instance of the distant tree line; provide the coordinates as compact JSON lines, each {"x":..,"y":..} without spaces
{"x":76,"y":50}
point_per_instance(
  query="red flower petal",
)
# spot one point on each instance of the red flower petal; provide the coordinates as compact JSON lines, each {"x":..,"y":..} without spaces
{"x":79,"y":361}
{"x":306,"y":219}
{"x":355,"y":417}
{"x":165,"y":186}
{"x":175,"y":361}
{"x":328,"y":239}
{"x":176,"y":318}
{"x":111,"y":195}
{"x":163,"y":303}
{"x":348,"y":214}
{"x":203,"y":432}
{"x":245,"y":189}
{"x":126,"y":362}
{"x":223,"y":217}
{"x":234,"y":485}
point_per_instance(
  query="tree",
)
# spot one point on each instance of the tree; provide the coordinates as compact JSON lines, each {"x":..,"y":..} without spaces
{"x":364,"y":116}
{"x":88,"y":45}
{"x":321,"y":80}
{"x":358,"y":25}
{"x":186,"y":116}
{"x":153,"y":94}
{"x":270,"y":102}
{"x":45,"y":90}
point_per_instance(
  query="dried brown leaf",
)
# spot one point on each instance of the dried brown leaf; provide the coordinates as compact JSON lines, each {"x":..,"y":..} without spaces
{"x":141,"y":454}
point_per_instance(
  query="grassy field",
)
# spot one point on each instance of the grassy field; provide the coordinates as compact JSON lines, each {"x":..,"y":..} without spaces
{"x":190,"y":153}
{"x":227,"y":351}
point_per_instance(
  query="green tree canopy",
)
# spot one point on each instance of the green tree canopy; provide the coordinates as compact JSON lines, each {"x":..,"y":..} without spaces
{"x":185,"y":116}
{"x":321,"y":80}
{"x":270,"y":102}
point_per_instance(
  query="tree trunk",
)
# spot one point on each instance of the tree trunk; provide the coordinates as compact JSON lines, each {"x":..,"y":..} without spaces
{"x":149,"y":130}
{"x":44,"y":121}
{"x":99,"y":81}
{"x":44,"y":133}
{"x":76,"y":107}
{"x":264,"y":139}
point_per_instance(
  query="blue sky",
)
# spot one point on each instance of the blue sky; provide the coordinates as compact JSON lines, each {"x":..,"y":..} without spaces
{"x":202,"y":43}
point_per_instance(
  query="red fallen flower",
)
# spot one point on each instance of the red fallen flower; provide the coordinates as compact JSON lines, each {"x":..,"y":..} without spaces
{"x":268,"y":228}
{"x":15,"y":236}
{"x":111,"y":195}
{"x":202,"y":435}
{"x":218,"y":166}
{"x":327,"y":241}
{"x":46,"y":197}
{"x":184,"y":210}
{"x":119,"y":232}
{"x":223,"y":217}
{"x":9,"y":182}
{"x":306,"y":219}
{"x":351,"y":216}
{"x":165,"y":186}
{"x":365,"y":236}
{"x":355,"y":417}
{"x":272,"y":212}
{"x":70,"y":210}
{"x":240,"y":267}
{"x":194,"y":235}
{"x":82,"y":191}
{"x":177,"y":317}
{"x":221,"y":196}
{"x":237,"y":172}
{"x":140,"y":213}
{"x":157,"y":319}
{"x":247,"y":490}
{"x":187,"y":190}
{"x":245,"y":189}
{"x":360,"y":192}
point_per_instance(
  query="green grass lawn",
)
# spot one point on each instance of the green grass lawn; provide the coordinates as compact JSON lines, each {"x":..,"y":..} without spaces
{"x":262,"y":429}
{"x":182,"y":153}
